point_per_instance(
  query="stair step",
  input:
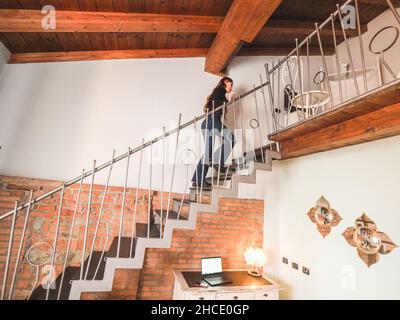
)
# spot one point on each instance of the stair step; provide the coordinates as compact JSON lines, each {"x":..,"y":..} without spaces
{"x":221,"y":179}
{"x":172,"y":215}
{"x":141,"y":230}
{"x":125,"y":247}
{"x":71,"y":273}
{"x":185,"y":201}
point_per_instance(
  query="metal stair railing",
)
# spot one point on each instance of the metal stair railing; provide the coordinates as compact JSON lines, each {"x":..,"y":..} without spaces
{"x":95,"y":249}
{"x":90,"y":238}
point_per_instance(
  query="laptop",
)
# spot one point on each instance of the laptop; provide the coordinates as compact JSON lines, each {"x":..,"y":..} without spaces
{"x":211,"y":271}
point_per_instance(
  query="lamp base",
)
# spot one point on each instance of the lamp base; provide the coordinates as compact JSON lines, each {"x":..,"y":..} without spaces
{"x":255,"y":273}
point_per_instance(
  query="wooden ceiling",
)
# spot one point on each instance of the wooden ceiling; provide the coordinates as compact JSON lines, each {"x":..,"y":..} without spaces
{"x":166,"y":35}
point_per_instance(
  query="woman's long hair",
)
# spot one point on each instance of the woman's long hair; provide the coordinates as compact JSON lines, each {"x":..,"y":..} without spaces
{"x":220,"y":84}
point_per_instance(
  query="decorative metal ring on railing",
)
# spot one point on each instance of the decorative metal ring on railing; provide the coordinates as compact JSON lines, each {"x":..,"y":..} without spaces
{"x":33,"y":263}
{"x":323,"y":77}
{"x":254,"y":123}
{"x":36,"y":264}
{"x":396,"y":37}
{"x":190,"y":159}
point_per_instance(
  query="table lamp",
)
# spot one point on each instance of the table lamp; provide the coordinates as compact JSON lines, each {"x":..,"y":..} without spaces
{"x":255,"y":259}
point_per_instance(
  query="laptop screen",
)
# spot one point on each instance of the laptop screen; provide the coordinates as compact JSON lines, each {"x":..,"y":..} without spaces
{"x":211,"y":265}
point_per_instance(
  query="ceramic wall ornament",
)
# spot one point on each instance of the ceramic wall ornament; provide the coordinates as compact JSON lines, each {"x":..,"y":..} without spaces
{"x":324,"y":216}
{"x":370,"y":242}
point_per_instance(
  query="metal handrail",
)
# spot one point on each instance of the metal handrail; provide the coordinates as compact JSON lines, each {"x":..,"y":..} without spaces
{"x":137,"y":149}
{"x":199,"y":118}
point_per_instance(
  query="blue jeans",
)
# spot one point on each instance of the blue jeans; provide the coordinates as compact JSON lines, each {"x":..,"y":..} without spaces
{"x":221,"y":154}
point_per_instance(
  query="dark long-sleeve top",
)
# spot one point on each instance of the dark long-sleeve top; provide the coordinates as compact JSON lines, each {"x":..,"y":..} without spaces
{"x":219,"y":98}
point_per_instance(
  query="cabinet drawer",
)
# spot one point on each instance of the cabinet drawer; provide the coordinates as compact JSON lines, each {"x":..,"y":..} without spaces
{"x":201,"y":296}
{"x":266,"y":295}
{"x":245,"y":295}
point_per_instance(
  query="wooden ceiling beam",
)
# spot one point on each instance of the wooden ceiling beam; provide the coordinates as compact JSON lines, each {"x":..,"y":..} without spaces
{"x":16,"y":20}
{"x":242,"y":23}
{"x":105,"y":55}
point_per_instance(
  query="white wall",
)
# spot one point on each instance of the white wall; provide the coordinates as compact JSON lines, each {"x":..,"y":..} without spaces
{"x":55,"y":118}
{"x":358,"y":179}
{"x":4,"y":55}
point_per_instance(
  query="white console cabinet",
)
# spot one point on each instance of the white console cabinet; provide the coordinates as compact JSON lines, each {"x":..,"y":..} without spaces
{"x":243,"y":287}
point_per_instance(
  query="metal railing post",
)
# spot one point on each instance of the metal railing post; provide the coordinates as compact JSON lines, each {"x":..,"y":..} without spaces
{"x":53,"y":257}
{"x":9,"y":251}
{"x":87,"y":221}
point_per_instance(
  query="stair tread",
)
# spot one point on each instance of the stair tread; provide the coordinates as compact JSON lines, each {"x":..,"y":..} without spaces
{"x":73,"y":273}
{"x":185,"y":201}
{"x":172,"y":215}
{"x":141,"y":230}
{"x":126,"y":243}
{"x":70,"y":274}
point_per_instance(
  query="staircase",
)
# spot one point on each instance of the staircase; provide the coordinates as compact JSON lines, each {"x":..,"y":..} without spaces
{"x":176,"y":220}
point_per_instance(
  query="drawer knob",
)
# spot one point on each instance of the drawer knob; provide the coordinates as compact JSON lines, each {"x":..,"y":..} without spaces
{"x":201,"y":298}
{"x":235,"y":298}
{"x":265,"y":294}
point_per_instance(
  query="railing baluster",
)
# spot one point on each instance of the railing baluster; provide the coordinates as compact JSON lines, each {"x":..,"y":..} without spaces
{"x":100,"y":215}
{"x":346,"y":41}
{"x":265,"y":105}
{"x":221,"y":133}
{"x":133,"y":235}
{"x":87,"y":221}
{"x":324,"y":64}
{"x":243,"y":142}
{"x":394,"y":11}
{"x":281,"y":109}
{"x":53,"y":257}
{"x":300,"y":77}
{"x":21,"y":243}
{"x":121,"y":219}
{"x":162,"y":184}
{"x":259,"y":124}
{"x":70,"y":236}
{"x":337,"y":59}
{"x":271,"y":97}
{"x":206,"y":151}
{"x":213,"y":146}
{"x":361,"y":46}
{"x":149,"y":195}
{"x":173,"y":171}
{"x":9,"y":251}
{"x":196,"y":153}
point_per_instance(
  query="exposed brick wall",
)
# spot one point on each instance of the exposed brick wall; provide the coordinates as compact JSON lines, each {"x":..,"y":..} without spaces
{"x":125,"y":287}
{"x":43,"y":218}
{"x":237,"y":225}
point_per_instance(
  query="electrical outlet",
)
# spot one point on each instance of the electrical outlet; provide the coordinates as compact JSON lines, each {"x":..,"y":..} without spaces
{"x":285,"y":260}
{"x":306,"y":271}
{"x":295,"y":266}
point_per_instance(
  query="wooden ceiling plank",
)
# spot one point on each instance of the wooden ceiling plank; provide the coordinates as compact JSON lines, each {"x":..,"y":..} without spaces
{"x":106,"y":55}
{"x":297,"y":27}
{"x":280,"y":51}
{"x":12,"y":20}
{"x":243,"y":21}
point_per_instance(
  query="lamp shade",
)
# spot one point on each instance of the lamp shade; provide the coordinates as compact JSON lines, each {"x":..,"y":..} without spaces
{"x":255,"y":257}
